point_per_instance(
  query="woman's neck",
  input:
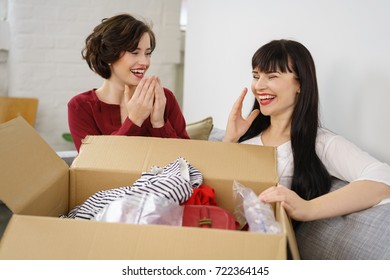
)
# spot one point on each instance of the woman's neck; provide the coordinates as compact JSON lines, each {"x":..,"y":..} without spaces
{"x":112,"y":93}
{"x":278,"y":133}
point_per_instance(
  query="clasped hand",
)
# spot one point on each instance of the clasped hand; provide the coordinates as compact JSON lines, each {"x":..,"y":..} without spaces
{"x":147,"y":100}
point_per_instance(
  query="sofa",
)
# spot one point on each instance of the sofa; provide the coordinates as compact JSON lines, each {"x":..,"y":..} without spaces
{"x":363,"y":235}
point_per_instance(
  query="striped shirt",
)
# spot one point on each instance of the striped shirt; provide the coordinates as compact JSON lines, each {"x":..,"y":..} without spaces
{"x":174,"y":182}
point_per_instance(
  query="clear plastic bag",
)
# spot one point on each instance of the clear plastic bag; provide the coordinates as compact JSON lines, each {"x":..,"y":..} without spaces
{"x":251,"y":210}
{"x":148,"y":209}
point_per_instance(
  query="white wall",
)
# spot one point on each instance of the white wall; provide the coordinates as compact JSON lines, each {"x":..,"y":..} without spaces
{"x":4,"y":47}
{"x":46,"y":38}
{"x":349,"y":40}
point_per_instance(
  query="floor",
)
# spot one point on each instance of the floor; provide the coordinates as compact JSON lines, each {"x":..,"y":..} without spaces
{"x":5,"y":215}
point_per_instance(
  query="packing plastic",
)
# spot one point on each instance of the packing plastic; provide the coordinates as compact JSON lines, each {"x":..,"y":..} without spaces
{"x":251,"y":210}
{"x":149,"y":209}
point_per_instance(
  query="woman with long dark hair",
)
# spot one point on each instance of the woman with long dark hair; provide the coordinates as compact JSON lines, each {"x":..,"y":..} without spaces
{"x":285,"y":115}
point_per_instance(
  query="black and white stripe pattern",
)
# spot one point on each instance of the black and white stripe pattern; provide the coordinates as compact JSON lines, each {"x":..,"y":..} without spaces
{"x":175,"y":182}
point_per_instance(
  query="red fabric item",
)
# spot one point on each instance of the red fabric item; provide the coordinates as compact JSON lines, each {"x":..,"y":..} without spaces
{"x":203,"y":195}
{"x":87,"y":115}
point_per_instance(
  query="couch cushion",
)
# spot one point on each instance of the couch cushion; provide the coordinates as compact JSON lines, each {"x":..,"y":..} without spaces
{"x":200,"y":130}
{"x":363,"y":235}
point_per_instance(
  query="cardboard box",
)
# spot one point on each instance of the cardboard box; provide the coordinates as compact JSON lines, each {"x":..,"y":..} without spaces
{"x":38,"y":187}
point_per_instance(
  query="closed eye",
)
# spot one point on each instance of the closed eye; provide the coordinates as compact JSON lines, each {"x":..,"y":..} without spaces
{"x":273,"y":75}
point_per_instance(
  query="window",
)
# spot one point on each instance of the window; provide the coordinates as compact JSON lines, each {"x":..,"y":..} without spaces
{"x":3,"y":9}
{"x":183,"y":15}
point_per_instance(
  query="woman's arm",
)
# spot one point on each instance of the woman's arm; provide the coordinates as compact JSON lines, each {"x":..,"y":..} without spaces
{"x":369,"y":182}
{"x":81,"y":122}
{"x":356,"y":196}
{"x":85,"y":118}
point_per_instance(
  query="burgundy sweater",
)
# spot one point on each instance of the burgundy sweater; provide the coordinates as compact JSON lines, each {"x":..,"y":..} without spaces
{"x":87,"y":115}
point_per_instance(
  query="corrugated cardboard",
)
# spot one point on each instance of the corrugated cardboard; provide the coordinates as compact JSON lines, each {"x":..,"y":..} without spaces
{"x":34,"y":180}
{"x":37,"y":190}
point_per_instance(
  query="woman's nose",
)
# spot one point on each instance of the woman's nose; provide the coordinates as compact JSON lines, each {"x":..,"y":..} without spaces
{"x":144,"y":60}
{"x":260,"y":83}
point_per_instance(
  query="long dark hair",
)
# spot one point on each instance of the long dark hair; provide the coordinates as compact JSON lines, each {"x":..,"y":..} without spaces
{"x":310,"y":179}
{"x":111,"y":38}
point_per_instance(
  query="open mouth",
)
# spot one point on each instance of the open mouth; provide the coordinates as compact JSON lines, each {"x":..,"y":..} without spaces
{"x":139,"y":73}
{"x":266,"y":99}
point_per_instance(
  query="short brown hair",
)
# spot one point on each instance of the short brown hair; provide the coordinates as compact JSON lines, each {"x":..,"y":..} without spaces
{"x":111,"y":38}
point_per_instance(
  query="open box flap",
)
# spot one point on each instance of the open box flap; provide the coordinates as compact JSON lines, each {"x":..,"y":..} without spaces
{"x":281,"y":216}
{"x":34,"y":180}
{"x":108,"y":162}
{"x":214,"y":159}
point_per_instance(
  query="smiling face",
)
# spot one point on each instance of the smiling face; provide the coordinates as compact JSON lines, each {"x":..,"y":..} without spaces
{"x":276,"y":92}
{"x":131,"y":67}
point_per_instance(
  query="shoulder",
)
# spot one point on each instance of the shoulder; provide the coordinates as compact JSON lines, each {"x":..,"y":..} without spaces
{"x":328,"y":141}
{"x":82,"y":98}
{"x":325,"y":138}
{"x":169,"y":93}
{"x":324,"y":135}
{"x":171,"y":99}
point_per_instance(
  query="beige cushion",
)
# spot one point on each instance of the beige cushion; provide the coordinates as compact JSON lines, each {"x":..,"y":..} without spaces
{"x":200,"y":130}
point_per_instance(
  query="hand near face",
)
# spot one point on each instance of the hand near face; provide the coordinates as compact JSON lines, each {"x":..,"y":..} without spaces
{"x":237,"y":125}
{"x":160,"y":100}
{"x":296,"y":207}
{"x":140,"y":105}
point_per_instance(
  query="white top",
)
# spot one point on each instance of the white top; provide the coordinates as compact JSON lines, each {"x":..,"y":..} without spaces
{"x":343,"y":160}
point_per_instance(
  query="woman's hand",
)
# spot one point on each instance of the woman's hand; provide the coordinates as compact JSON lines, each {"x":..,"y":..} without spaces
{"x":296,"y":207}
{"x":237,"y":125}
{"x":140,"y":105}
{"x":160,"y":101}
